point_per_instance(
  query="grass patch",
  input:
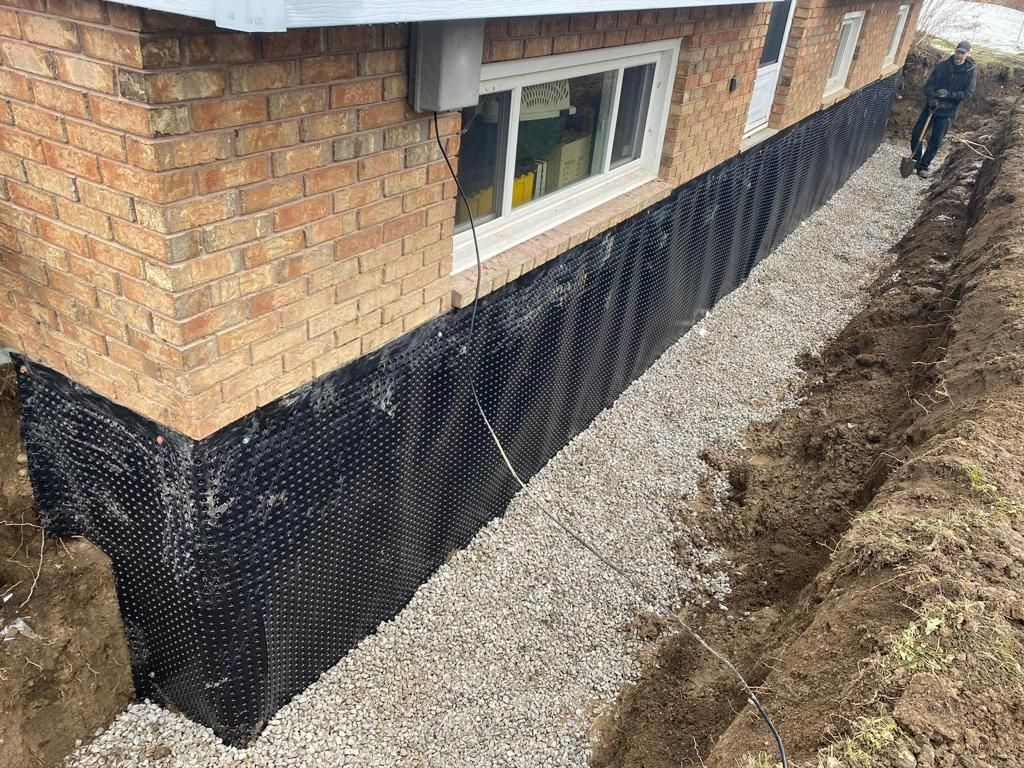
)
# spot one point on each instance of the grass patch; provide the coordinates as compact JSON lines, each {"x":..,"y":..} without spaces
{"x":963,"y":633}
{"x":896,"y":538}
{"x":890,"y":539}
{"x":872,"y":741}
{"x":760,"y":760}
{"x":990,"y":491}
{"x":978,"y":482}
{"x":915,"y":649}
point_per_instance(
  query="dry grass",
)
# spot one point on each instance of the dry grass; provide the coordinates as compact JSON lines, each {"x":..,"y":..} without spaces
{"x":872,"y":741}
{"x":884,"y":537}
{"x":760,"y":760}
{"x":891,"y":540}
{"x":990,"y":491}
{"x":958,"y":633}
{"x":8,"y":386}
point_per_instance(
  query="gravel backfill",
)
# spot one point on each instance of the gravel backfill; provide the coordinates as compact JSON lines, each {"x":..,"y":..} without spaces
{"x":508,"y":654}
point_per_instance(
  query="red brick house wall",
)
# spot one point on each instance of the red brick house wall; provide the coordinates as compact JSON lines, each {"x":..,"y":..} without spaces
{"x":812,"y":46}
{"x":194,"y":222}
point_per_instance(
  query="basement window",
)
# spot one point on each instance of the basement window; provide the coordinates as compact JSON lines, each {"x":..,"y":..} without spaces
{"x":897,"y":34}
{"x":849,"y":32}
{"x":554,"y":136}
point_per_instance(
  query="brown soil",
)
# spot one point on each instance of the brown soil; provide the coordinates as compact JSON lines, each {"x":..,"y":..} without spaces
{"x":71,"y":675}
{"x":877,"y":530}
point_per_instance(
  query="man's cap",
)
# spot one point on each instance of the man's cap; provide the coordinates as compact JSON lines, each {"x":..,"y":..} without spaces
{"x":964,"y":46}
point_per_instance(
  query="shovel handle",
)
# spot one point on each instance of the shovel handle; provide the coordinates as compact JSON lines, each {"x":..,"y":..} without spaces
{"x":923,"y":131}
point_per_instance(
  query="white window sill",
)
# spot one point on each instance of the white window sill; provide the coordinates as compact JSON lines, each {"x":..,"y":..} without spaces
{"x":530,"y":254}
{"x":757,"y":137}
{"x":505,"y":235}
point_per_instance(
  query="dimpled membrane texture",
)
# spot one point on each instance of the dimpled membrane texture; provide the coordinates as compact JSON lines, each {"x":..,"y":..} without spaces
{"x":251,"y":561}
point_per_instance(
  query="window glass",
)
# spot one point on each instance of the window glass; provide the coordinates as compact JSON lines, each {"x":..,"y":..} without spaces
{"x":576,"y":122}
{"x":481,"y":157}
{"x":847,"y":47}
{"x":776,"y":30}
{"x":845,"y":35}
{"x":562,"y":134}
{"x":632,"y":116}
{"x":897,"y":34}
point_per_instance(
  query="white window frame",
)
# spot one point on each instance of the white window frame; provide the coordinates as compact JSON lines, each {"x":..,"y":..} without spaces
{"x":536,"y":217}
{"x":897,"y":35}
{"x":855,"y":20}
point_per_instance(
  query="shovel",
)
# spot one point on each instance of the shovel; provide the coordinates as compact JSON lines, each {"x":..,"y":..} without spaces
{"x":907,"y":164}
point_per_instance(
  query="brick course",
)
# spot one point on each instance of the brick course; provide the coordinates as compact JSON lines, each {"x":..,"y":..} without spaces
{"x":194,"y":222}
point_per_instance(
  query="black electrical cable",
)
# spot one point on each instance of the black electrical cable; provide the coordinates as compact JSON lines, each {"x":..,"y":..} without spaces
{"x":637,"y":589}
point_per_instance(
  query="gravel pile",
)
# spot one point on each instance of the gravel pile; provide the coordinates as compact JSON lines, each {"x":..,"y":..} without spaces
{"x":508,"y":654}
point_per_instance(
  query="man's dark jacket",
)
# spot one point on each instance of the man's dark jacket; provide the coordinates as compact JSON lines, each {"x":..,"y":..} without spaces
{"x":959,"y":81}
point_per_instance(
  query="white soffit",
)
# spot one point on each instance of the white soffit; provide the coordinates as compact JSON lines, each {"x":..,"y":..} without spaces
{"x":277,"y":15}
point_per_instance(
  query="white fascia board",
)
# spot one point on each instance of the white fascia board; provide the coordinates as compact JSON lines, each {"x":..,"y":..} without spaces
{"x":276,"y":15}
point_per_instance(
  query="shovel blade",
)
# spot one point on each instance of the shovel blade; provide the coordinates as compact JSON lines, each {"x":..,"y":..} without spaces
{"x":907,"y":165}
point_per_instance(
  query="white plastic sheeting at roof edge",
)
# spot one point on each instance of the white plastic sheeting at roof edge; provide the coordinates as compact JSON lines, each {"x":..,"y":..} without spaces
{"x":277,"y":15}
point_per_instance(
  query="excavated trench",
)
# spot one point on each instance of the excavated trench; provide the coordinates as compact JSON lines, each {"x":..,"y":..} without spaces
{"x":877,"y":529}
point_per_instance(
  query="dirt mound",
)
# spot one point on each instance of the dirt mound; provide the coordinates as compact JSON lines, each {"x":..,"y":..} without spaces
{"x":64,"y":668}
{"x":877,"y":529}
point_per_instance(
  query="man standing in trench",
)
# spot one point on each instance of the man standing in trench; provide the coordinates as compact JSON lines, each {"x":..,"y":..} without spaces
{"x":951,"y":82}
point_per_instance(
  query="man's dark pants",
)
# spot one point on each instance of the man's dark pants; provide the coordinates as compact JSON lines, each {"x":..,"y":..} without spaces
{"x":939,"y":126}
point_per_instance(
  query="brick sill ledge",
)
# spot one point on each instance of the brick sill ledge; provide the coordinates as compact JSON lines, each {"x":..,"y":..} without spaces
{"x":757,"y":137}
{"x":831,"y":98}
{"x":518,"y":260}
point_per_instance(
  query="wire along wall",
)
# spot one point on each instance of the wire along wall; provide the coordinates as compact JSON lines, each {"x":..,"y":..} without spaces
{"x":248,"y":563}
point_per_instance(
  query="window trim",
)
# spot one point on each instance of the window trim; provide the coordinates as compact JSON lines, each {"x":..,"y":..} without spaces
{"x":838,"y":83}
{"x":897,"y":35}
{"x":529,"y":220}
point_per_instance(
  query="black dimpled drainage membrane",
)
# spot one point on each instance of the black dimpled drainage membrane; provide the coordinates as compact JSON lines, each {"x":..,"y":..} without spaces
{"x":250,"y":562}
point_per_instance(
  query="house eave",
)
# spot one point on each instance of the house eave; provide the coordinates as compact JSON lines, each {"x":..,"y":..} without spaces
{"x":278,"y":15}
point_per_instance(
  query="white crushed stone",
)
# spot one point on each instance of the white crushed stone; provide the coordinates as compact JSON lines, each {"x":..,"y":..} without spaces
{"x":507,"y":655}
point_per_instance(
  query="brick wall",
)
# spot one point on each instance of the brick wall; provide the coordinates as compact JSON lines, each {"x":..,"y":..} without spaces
{"x":812,"y":46}
{"x":707,"y":119}
{"x":194,"y":222}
